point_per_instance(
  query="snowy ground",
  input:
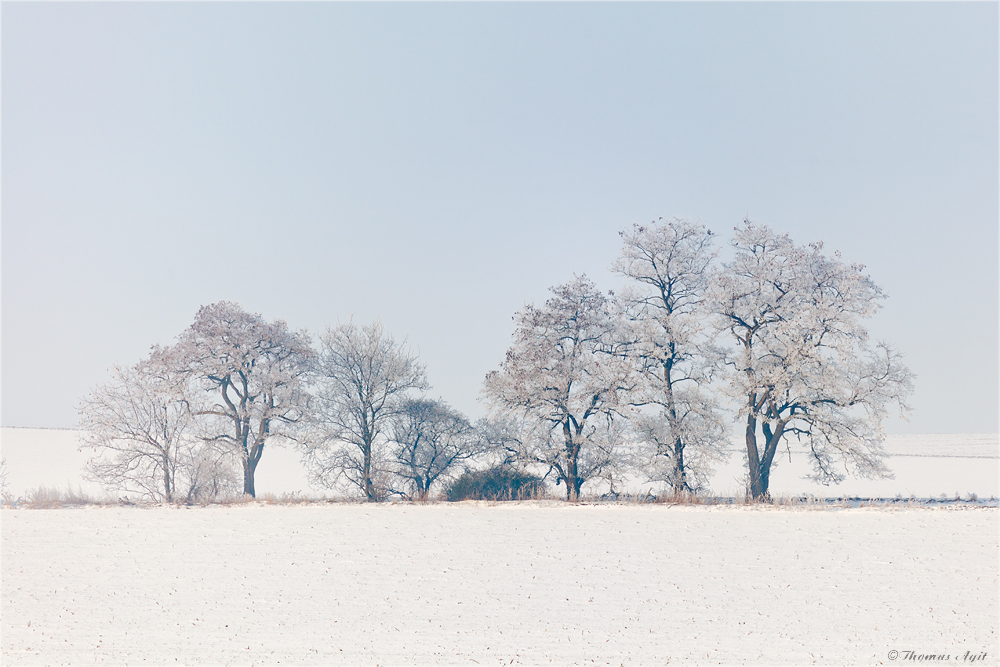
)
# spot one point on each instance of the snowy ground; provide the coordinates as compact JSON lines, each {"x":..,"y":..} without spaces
{"x":535,"y":583}
{"x":925,"y":466}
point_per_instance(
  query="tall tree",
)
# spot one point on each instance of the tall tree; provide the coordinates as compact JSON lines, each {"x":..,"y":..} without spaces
{"x":804,"y":365}
{"x":363,"y":377}
{"x":428,"y":438}
{"x":669,"y":263}
{"x":141,"y":428}
{"x":567,"y":377}
{"x":253,"y":372}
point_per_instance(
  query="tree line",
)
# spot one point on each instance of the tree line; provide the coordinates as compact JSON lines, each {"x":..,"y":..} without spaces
{"x":648,"y":380}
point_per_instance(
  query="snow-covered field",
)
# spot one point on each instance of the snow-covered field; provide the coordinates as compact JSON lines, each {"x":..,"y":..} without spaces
{"x":524,"y":583}
{"x":925,"y":466}
{"x":528,"y":583}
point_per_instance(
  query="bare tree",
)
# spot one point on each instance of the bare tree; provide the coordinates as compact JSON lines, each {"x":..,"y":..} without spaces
{"x":4,"y":494}
{"x":428,"y":438}
{"x":253,"y":372}
{"x":673,"y":350}
{"x":141,"y":428}
{"x":804,"y":365}
{"x":704,"y":438}
{"x":362,"y":379}
{"x":567,"y":377}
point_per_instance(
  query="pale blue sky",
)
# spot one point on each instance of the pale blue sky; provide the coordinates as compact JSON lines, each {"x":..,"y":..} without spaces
{"x":440,"y":165}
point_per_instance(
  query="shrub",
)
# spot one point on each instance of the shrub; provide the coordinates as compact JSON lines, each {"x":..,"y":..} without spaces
{"x":497,"y":483}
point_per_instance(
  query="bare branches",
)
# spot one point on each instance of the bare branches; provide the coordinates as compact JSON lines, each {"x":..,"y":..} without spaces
{"x":362,"y":378}
{"x":428,"y":439}
{"x":672,"y":349}
{"x":143,"y":432}
{"x":566,"y":376}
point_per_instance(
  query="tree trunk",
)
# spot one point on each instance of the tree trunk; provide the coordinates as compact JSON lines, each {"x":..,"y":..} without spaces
{"x":572,"y":479}
{"x":249,"y":464}
{"x":758,"y":485}
{"x":366,"y":474}
{"x":771,"y":440}
{"x":760,"y":467}
{"x":248,"y":473}
{"x":679,"y":481}
{"x":423,"y":488}
{"x":681,"y":485}
{"x":168,"y":491}
{"x":573,"y":482}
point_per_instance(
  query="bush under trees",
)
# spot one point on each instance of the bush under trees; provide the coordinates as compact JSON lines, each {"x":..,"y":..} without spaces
{"x":496,"y":483}
{"x":428,"y":438}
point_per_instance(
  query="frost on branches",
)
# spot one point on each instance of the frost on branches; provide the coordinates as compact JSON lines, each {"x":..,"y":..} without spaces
{"x":566,"y":378}
{"x":252,"y":372}
{"x":142,"y":431}
{"x":803,"y":364}
{"x":669,"y":263}
{"x":362,"y":377}
{"x":429,"y":437}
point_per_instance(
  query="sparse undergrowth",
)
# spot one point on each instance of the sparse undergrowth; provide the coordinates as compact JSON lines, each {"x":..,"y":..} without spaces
{"x":493,"y":488}
{"x":50,"y":497}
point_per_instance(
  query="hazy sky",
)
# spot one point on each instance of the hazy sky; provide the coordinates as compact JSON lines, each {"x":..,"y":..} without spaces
{"x":440,"y":165}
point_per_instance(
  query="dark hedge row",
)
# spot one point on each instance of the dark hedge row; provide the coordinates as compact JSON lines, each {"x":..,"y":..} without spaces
{"x":497,"y":483}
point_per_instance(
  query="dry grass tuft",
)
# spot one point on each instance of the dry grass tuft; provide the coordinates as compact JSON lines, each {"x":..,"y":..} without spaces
{"x":50,"y":497}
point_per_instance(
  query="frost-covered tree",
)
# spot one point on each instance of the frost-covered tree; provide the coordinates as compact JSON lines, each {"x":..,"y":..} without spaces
{"x":804,"y":364}
{"x":567,"y":378}
{"x":4,"y":495}
{"x":253,"y":374}
{"x":362,"y":380}
{"x":142,"y":431}
{"x":428,"y":438}
{"x":669,"y":264}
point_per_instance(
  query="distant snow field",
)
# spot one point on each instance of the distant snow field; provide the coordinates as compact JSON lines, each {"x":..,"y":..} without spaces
{"x":925,"y":466}
{"x":521,"y":583}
